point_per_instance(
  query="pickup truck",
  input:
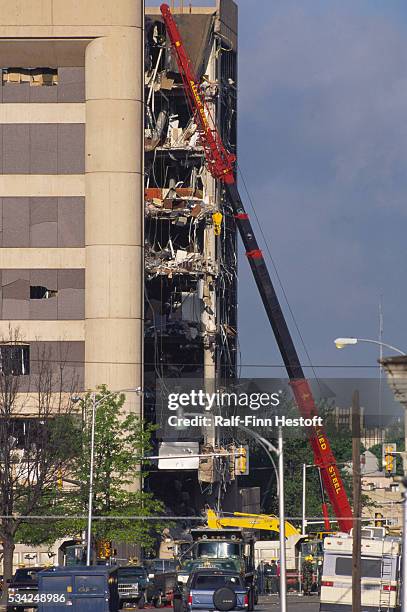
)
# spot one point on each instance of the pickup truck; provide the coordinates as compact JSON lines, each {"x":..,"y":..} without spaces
{"x":23,"y":589}
{"x":132,"y":584}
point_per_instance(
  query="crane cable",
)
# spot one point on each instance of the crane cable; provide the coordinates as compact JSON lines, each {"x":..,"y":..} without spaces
{"x":276,"y":270}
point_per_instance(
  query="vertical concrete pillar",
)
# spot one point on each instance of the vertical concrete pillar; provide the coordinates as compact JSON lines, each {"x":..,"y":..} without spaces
{"x":114,"y":207}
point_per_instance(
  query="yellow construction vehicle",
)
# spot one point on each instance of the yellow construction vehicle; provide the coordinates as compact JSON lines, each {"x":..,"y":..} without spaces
{"x":268,"y":522}
{"x":297,"y":545}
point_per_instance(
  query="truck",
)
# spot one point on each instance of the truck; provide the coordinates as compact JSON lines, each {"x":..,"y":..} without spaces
{"x":132,"y":584}
{"x":23,"y":589}
{"x":81,"y":587}
{"x":298,"y":546}
{"x":380,"y":572}
{"x":223,"y":549}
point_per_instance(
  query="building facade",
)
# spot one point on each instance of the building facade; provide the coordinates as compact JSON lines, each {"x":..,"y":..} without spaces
{"x":117,"y":247}
{"x":190,"y":242}
{"x":71,"y":186}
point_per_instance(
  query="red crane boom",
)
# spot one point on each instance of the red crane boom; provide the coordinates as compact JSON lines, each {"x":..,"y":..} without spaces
{"x":221,"y":166}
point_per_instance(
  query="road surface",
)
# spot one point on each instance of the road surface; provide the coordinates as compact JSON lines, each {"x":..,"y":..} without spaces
{"x":271,"y":603}
{"x":267,"y":603}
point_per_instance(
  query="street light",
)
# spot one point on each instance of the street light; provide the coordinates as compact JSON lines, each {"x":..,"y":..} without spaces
{"x":92,"y":458}
{"x":340,"y":343}
{"x":279,"y":451}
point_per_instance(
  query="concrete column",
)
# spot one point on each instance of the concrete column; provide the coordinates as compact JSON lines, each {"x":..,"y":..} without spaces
{"x":114,"y":208}
{"x":396,"y":371}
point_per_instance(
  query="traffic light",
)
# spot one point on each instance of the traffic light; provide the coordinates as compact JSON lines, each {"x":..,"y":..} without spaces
{"x":104,"y":549}
{"x":242,"y":461}
{"x":389,"y":460}
{"x":378,"y":519}
{"x":60,"y":482}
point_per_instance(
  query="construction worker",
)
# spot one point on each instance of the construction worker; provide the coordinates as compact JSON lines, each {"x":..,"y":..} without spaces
{"x":307,"y":573}
{"x":270,"y":577}
{"x":273,"y":575}
{"x":267,"y":578}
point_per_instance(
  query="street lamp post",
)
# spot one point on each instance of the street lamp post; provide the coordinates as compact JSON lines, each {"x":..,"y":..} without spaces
{"x":92,"y":460}
{"x":340,"y":343}
{"x":90,"y":501}
{"x":304,"y":496}
{"x":283,"y":581}
{"x":279,"y":451}
{"x":404,"y":551}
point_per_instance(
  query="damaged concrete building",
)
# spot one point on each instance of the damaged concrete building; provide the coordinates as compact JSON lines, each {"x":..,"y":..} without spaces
{"x":190,"y":236}
{"x":72,"y":211}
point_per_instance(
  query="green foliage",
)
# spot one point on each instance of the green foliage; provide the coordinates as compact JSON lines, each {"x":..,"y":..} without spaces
{"x":120,"y":441}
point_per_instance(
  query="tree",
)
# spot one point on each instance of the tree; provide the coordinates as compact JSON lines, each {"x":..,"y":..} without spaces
{"x":121,"y":440}
{"x":37,"y":438}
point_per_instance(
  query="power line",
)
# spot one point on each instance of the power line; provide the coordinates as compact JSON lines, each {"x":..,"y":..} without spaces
{"x":69,"y":362}
{"x":166,"y":518}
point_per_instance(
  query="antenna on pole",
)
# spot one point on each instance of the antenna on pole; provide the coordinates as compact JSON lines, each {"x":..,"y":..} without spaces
{"x":380,"y":362}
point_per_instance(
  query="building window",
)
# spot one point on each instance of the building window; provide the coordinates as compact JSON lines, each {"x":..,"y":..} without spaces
{"x":38,"y":292}
{"x":36,"y":77}
{"x":15,"y":359}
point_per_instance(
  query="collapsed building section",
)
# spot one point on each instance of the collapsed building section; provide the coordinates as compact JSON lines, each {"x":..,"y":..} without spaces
{"x":190,"y":242}
{"x":190,"y":239}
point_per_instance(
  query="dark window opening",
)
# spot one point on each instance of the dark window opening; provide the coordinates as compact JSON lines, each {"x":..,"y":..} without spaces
{"x":216,"y":582}
{"x":15,"y":359}
{"x":36,"y":77}
{"x":38,"y":292}
{"x":27,"y":575}
{"x":371,"y":568}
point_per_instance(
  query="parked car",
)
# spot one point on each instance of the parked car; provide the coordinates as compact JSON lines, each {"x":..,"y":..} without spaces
{"x":160,"y":566}
{"x":132,"y":583}
{"x":23,"y":589}
{"x":211,"y":589}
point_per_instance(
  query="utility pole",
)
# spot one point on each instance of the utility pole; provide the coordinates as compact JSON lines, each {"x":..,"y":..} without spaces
{"x":91,"y":470}
{"x":357,"y":507}
{"x":404,"y":550}
{"x":283,"y":577}
{"x":304,"y":498}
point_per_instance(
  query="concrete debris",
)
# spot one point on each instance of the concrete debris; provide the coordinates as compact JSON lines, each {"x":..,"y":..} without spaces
{"x":184,"y":203}
{"x":164,"y":263}
{"x":155,"y":136}
{"x":213,"y":469}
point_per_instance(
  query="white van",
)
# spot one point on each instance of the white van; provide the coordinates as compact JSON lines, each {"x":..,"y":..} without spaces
{"x":380,"y":571}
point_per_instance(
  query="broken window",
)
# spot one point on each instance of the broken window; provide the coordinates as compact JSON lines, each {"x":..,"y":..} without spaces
{"x":14,"y":359}
{"x":38,"y":292}
{"x":36,"y":77}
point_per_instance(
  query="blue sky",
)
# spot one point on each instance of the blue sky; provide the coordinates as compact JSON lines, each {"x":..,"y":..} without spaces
{"x":323,"y":148}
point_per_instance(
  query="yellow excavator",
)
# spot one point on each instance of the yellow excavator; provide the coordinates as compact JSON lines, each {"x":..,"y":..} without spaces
{"x":268,"y":522}
{"x":295,"y":542}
